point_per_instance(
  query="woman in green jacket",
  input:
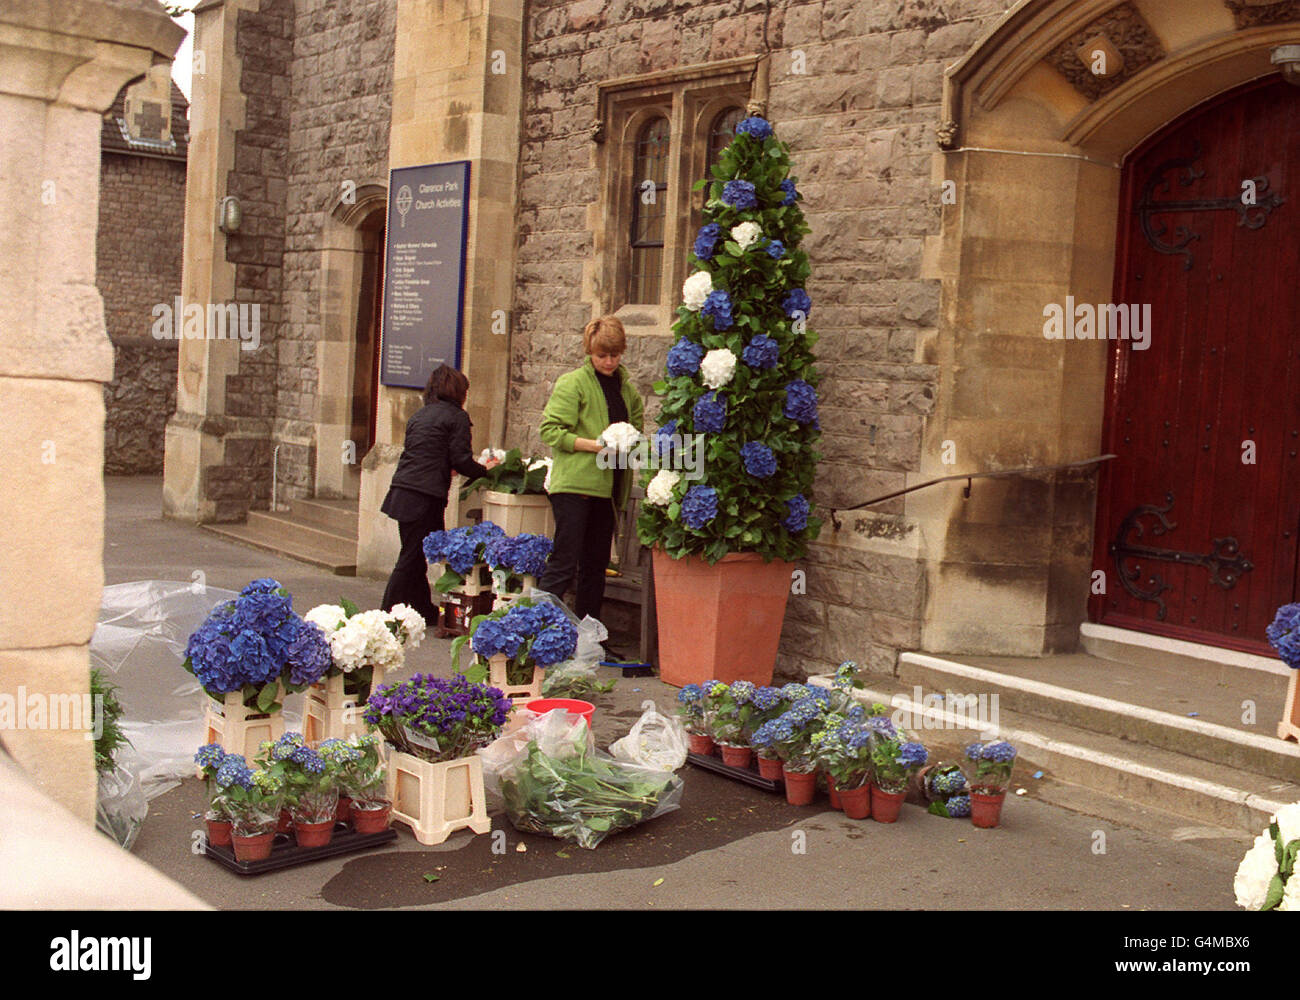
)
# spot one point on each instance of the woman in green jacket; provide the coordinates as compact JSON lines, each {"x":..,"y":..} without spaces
{"x":586,"y":498}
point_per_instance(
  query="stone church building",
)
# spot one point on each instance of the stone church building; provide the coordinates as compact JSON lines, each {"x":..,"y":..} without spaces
{"x":1041,"y":233}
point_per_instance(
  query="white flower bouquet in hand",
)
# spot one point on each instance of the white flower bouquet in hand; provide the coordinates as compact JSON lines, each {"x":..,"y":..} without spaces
{"x":622,"y":437}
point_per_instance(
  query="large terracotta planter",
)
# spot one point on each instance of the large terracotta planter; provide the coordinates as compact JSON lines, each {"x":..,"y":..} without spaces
{"x":721,"y":621}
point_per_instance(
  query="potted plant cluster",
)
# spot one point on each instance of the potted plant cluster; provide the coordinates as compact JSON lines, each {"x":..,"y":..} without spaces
{"x":843,"y":752}
{"x":990,"y":766}
{"x":514,"y":492}
{"x":740,"y":375}
{"x":218,"y":819}
{"x":362,"y":778}
{"x":364,"y":646}
{"x":247,"y":655}
{"x":434,"y":726}
{"x":457,"y":555}
{"x":1266,"y":878}
{"x":514,"y":645}
{"x":516,"y":562}
{"x":252,"y":799}
{"x":894,"y":758}
{"x":945,"y":788}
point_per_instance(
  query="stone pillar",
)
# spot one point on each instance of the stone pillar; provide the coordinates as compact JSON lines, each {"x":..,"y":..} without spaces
{"x":201,"y":481}
{"x":62,"y":67}
{"x":457,"y":95}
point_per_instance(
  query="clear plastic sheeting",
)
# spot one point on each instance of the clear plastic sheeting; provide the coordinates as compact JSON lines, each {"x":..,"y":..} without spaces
{"x":139,"y":644}
{"x":591,"y":631}
{"x":655,"y":740}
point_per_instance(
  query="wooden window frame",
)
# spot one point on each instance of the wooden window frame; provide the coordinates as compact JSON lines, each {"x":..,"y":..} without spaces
{"x":690,"y":98}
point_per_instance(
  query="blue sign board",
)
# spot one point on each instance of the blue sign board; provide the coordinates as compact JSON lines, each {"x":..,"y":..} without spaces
{"x":424,"y":272}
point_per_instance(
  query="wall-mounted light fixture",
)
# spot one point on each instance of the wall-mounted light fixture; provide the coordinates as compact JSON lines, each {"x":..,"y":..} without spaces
{"x":1287,"y":58}
{"x":230,"y":215}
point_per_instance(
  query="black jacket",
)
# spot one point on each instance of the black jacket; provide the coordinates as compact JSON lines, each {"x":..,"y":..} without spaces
{"x":437,"y":441}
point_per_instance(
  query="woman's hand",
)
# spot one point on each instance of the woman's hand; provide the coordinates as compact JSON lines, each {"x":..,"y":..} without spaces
{"x":587,"y":444}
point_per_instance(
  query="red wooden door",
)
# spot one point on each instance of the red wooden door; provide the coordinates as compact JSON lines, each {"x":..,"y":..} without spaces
{"x":1198,"y":518}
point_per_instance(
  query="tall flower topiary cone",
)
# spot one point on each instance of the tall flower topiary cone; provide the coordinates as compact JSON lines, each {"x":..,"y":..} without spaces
{"x":741,"y":371}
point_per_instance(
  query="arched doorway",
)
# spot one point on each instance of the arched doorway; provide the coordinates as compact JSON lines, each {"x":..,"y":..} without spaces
{"x":1198,"y":519}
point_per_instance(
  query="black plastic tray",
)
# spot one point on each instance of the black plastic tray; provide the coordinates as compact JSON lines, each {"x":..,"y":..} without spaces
{"x":748,"y":775}
{"x":285,"y":853}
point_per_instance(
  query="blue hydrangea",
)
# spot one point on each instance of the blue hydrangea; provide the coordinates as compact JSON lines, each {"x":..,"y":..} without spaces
{"x":308,"y":656}
{"x":1001,"y":752}
{"x":739,"y":194}
{"x":234,"y":771}
{"x":706,"y":242}
{"x":699,"y":506}
{"x":973,"y":750}
{"x":764,"y":737}
{"x":775,"y":249}
{"x":210,"y":756}
{"x":263,"y":586}
{"x":958,"y":806}
{"x":791,"y":195}
{"x":684,"y":357}
{"x":662,"y":442}
{"x":882,"y":725}
{"x":718,"y":308}
{"x":793,"y":692}
{"x":759,"y":460}
{"x":804,"y":710}
{"x":690,"y":694}
{"x":710,"y":413}
{"x":1284,"y":634}
{"x":796,"y":301}
{"x":801,"y":402}
{"x":766,"y":698}
{"x":796,"y":513}
{"x":742,"y":692}
{"x":309,"y":760}
{"x":911,"y":754}
{"x":755,"y":127}
{"x":762,"y":352}
{"x":948,"y":783}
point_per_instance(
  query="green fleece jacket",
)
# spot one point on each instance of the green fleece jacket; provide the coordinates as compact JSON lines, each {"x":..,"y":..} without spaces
{"x":575,"y":410}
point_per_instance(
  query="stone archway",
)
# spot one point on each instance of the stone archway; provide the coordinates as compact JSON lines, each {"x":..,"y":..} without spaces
{"x":351,"y":267}
{"x":1033,"y":144}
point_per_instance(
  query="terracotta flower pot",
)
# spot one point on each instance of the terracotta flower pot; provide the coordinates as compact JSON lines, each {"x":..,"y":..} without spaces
{"x":344,"y":810}
{"x":770,"y":768}
{"x":736,"y":756}
{"x":286,"y":822}
{"x":701,"y":743}
{"x":857,"y":802}
{"x":985,"y":809}
{"x":721,"y":621}
{"x":833,"y":792}
{"x":371,"y":820}
{"x":256,"y":848}
{"x":885,"y":806}
{"x":800,"y":788}
{"x":313,"y":834}
{"x":219,"y":832}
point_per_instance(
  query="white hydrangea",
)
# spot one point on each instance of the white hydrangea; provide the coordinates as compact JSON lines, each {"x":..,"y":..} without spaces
{"x":548,"y":463}
{"x":746,"y":234}
{"x":717,"y":368}
{"x":366,"y":640}
{"x":659,"y":491}
{"x":621,"y":436}
{"x":412,"y":624}
{"x":1255,"y":873}
{"x":1288,"y":822}
{"x":327,"y":616}
{"x":1291,"y":895}
{"x":498,"y":453}
{"x":696,"y":289}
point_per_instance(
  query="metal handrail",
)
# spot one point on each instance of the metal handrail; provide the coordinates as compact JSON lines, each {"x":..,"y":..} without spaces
{"x":968,"y":476}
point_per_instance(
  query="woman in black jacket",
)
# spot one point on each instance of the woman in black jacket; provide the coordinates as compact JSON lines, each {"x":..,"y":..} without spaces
{"x":437,"y":442}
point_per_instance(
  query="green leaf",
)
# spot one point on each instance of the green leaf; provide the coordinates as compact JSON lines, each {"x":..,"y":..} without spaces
{"x":449,"y":581}
{"x":561,"y":854}
{"x":477,"y":674}
{"x":431,"y":877}
{"x":348,"y":607}
{"x":266,"y":697}
{"x":1274,"y":896}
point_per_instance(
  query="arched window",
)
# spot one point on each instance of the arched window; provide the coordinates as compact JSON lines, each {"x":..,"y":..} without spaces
{"x":722,"y":131}
{"x":649,"y":208}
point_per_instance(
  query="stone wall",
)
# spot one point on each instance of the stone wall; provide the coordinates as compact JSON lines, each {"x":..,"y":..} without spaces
{"x":338,"y":119}
{"x":861,"y":125}
{"x":138,"y":264}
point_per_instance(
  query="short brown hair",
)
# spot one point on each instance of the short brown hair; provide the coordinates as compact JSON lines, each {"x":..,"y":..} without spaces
{"x":605,"y":335}
{"x":446,"y":383}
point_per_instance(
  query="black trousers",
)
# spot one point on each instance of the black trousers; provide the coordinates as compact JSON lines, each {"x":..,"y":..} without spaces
{"x":409,"y":582}
{"x":584,"y":528}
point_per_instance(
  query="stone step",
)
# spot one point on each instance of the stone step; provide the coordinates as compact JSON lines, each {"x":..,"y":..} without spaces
{"x":279,"y":534}
{"x":1206,"y":794}
{"x":340,"y":517}
{"x":1258,"y":752}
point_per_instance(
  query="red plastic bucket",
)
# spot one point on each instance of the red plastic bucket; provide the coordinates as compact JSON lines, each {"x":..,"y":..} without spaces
{"x":541,"y":706}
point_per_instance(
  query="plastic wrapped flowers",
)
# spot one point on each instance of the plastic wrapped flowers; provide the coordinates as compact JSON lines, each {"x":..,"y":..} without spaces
{"x":992,"y":763}
{"x":529,"y":634}
{"x":947,"y":791}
